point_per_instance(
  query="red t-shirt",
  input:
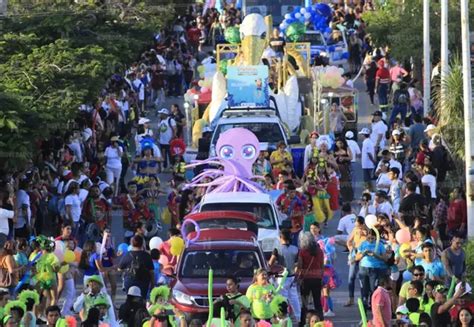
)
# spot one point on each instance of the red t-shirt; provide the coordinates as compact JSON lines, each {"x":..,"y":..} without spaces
{"x":457,"y":214}
{"x":194,"y":34}
{"x":381,"y":299}
{"x":313,"y":266}
{"x":383,"y":74}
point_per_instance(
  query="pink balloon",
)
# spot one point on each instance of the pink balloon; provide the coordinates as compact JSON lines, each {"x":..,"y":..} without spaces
{"x":403,"y":236}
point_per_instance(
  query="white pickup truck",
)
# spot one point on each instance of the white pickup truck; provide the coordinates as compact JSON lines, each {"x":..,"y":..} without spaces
{"x":260,"y":204}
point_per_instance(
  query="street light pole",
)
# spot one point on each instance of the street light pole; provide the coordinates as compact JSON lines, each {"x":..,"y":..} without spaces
{"x":467,"y":95}
{"x":444,"y":48}
{"x":426,"y":57}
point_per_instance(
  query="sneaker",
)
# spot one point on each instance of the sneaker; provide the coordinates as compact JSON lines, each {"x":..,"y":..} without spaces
{"x":329,"y":313}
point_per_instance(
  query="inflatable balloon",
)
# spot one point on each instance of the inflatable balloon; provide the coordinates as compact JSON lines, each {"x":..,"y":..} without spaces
{"x":77,"y":254}
{"x":295,"y":31}
{"x":64,"y":269}
{"x":404,"y":250}
{"x":129,"y":248}
{"x":69,"y":256}
{"x":59,"y":245}
{"x":155,"y":242}
{"x":370,"y":221}
{"x":177,"y":246}
{"x":403,"y":236}
{"x":407,"y":275}
{"x":232,"y":35}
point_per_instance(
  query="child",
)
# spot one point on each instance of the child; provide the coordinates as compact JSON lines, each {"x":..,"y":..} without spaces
{"x":155,"y":256}
{"x":395,"y":191}
{"x":279,"y":307}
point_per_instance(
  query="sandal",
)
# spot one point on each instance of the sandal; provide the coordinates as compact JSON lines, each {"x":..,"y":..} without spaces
{"x":349,"y":303}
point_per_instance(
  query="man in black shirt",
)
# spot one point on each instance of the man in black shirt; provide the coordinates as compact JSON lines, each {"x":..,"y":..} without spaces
{"x":179,"y":119}
{"x":413,"y":204}
{"x":138,"y":267}
{"x":440,"y":309}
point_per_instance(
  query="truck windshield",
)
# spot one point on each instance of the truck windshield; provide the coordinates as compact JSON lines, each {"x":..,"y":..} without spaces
{"x":265,"y":132}
{"x":263,"y":211}
{"x":277,"y":9}
{"x":224,"y":263}
{"x":314,"y":39}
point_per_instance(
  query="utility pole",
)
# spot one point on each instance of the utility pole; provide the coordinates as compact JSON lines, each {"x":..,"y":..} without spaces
{"x":444,"y":48}
{"x":426,"y":58}
{"x":467,"y":95}
{"x":3,"y":7}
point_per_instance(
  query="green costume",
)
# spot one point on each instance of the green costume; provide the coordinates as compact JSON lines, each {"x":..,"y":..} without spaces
{"x":259,"y":304}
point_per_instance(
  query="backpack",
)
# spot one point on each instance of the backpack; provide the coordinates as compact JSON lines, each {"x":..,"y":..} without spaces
{"x":137,"y":270}
{"x":402,"y":98}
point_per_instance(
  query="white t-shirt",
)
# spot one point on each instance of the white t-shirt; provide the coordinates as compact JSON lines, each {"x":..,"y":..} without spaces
{"x":377,"y":129}
{"x":139,"y":87}
{"x":83,"y":194}
{"x":393,"y":163}
{"x":384,"y":207}
{"x":76,"y":148}
{"x":113,"y":158}
{"x":383,"y":179}
{"x":23,"y":200}
{"x":367,"y":147}
{"x":4,"y":216}
{"x":355,"y":149}
{"x":75,"y":203}
{"x":430,"y":180}
{"x":166,"y":132}
{"x":346,"y":224}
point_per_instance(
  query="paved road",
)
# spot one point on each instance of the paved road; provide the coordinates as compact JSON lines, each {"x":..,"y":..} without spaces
{"x":344,"y":316}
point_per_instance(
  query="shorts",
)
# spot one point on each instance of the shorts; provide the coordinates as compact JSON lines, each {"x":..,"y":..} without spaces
{"x":113,"y":174}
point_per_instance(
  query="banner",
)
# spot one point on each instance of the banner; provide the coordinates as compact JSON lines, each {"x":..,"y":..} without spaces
{"x":247,"y":86}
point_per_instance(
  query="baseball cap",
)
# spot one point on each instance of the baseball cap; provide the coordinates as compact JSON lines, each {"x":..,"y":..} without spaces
{"x":349,"y":135}
{"x":402,"y":309}
{"x":143,"y":121}
{"x":430,"y":127}
{"x":377,"y":113}
{"x":365,"y":131}
{"x":164,"y":111}
{"x":134,"y":291}
{"x":396,"y":132}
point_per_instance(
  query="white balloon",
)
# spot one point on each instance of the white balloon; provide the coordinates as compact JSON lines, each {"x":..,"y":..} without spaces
{"x":287,"y":16}
{"x":370,"y":220}
{"x":297,"y":15}
{"x":155,"y":242}
{"x":307,"y":15}
{"x":303,"y":10}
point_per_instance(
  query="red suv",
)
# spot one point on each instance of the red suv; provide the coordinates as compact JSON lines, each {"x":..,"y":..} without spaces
{"x":228,"y":244}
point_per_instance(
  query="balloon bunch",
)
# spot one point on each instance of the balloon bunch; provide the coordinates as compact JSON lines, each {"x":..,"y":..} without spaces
{"x":331,"y":76}
{"x":317,"y":17}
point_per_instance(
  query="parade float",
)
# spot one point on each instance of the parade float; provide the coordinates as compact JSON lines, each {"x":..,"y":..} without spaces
{"x":285,"y":96}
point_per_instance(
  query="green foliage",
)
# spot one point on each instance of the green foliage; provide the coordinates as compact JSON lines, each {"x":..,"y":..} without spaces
{"x":450,"y":111}
{"x":400,"y":26}
{"x":469,"y":250}
{"x":57,"y":55}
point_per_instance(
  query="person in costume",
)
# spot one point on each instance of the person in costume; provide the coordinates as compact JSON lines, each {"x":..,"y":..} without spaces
{"x":160,"y":308}
{"x":15,"y":309}
{"x":9,"y":321}
{"x":30,"y":299}
{"x":294,"y":205}
{"x":279,"y":306}
{"x":46,"y":268}
{"x":147,"y":165}
{"x":233,"y":301}
{"x":333,"y":189}
{"x":260,"y":295}
{"x":280,"y":158}
{"x":4,"y":297}
{"x":128,"y":201}
{"x":321,"y":207}
{"x":104,"y":305}
{"x":330,"y":277}
{"x":86,"y":300}
{"x":66,"y":282}
{"x":174,"y":199}
{"x":151,"y":192}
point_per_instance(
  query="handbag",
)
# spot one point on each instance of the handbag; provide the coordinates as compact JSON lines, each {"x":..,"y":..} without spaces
{"x":6,"y":278}
{"x":300,"y":277}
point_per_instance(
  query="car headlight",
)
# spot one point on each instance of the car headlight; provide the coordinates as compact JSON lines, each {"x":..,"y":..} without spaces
{"x":268,"y":244}
{"x":182,"y":298}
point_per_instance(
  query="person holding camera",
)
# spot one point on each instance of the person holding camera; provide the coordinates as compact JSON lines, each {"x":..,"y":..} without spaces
{"x":233,"y":301}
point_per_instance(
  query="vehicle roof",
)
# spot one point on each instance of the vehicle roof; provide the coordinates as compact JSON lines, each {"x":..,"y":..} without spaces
{"x":241,"y":215}
{"x":223,"y":239}
{"x":234,"y":197}
{"x":250,"y":119}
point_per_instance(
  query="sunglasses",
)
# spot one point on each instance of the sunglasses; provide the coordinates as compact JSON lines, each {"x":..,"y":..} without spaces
{"x":419,"y":275}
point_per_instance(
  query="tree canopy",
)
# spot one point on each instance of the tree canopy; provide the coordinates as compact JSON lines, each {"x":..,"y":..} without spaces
{"x":55,"y":56}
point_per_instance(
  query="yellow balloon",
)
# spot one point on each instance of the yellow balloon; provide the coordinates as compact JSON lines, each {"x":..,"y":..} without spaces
{"x":177,"y":246}
{"x":69,"y":256}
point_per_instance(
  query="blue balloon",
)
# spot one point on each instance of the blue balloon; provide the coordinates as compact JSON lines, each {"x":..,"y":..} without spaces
{"x":297,"y":9}
{"x":406,"y":275}
{"x":123,"y":247}
{"x":323,"y":9}
{"x":331,"y":48}
{"x":328,"y":30}
{"x":290,"y":21}
{"x":129,"y":248}
{"x":345,"y":55}
{"x":301,"y":19}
